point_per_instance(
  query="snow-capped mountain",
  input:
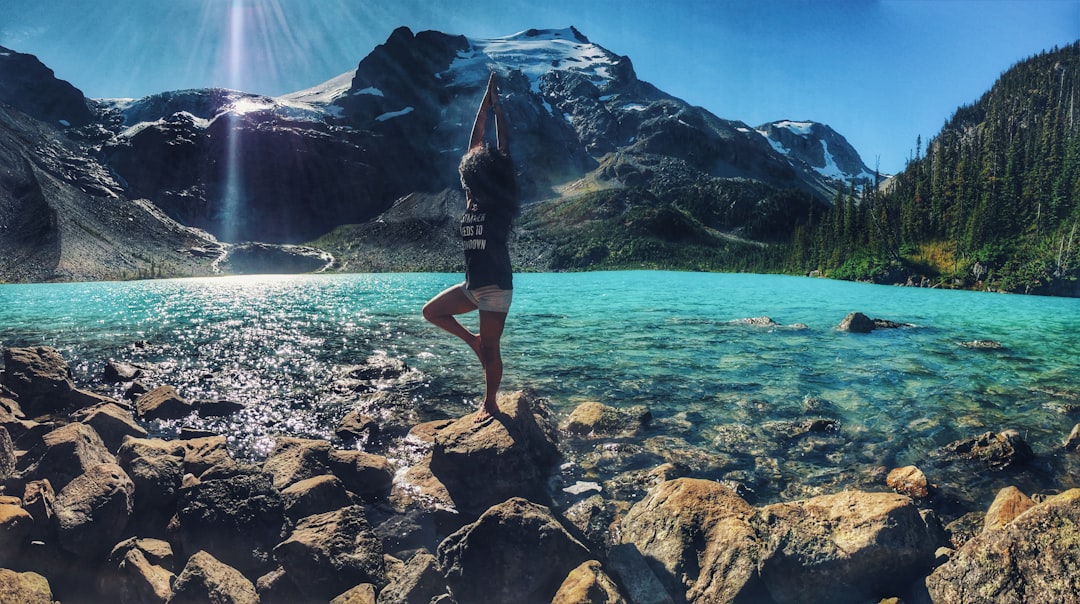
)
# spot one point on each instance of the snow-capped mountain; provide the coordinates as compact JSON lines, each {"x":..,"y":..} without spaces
{"x":291,"y":168}
{"x":820,"y":147}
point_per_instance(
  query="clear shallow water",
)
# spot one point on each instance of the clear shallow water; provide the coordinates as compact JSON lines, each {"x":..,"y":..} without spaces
{"x":720,"y":391}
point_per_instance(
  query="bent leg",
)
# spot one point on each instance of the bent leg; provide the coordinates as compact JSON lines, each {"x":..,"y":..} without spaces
{"x":441,"y":311}
{"x":491,"y":329}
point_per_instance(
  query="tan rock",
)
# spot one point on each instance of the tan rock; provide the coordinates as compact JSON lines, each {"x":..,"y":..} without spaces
{"x":588,"y":584}
{"x":847,"y":547}
{"x":162,"y":402}
{"x":1009,"y":503}
{"x":206,"y":579}
{"x":361,"y":594}
{"x":597,"y":419}
{"x":910,"y":481}
{"x":93,"y":509}
{"x":24,"y":588}
{"x":1032,"y":559}
{"x":698,"y":537}
{"x":15,"y":526}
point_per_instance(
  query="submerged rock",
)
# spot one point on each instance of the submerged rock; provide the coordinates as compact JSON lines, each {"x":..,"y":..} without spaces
{"x":998,"y":451}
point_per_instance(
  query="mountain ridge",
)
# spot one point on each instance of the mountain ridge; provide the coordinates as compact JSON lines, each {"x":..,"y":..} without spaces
{"x":239,"y":167}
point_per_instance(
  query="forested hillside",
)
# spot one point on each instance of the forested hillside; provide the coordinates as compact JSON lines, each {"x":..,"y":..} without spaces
{"x":991,"y":202}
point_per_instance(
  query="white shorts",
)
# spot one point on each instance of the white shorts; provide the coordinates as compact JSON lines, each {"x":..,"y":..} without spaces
{"x":490,"y":297}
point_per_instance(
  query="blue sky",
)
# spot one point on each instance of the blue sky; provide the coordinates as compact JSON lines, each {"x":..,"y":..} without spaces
{"x":880,"y":72}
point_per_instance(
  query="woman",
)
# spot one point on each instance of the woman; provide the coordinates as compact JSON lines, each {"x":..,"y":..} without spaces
{"x":487,"y":176}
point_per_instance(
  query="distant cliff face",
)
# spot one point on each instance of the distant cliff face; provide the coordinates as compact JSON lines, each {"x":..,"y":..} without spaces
{"x":290,"y":169}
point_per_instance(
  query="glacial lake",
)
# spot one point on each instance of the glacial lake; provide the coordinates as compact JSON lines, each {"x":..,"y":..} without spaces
{"x":726,"y":396}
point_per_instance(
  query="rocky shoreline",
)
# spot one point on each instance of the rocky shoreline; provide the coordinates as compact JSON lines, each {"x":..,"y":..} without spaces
{"x":94,"y":508}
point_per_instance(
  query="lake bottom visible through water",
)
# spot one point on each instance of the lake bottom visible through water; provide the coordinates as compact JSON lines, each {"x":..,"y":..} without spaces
{"x":780,"y":411}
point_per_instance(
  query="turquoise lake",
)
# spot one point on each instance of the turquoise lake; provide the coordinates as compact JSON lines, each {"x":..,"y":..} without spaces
{"x":723,"y":394}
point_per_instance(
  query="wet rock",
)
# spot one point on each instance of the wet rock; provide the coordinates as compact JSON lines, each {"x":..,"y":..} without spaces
{"x":759,"y":322}
{"x":218,"y":408}
{"x":511,"y":455}
{"x":326,"y":554}
{"x":998,"y":451}
{"x":117,"y":372}
{"x":237,"y":519}
{"x":162,"y":402}
{"x":295,"y":459}
{"x":847,"y":547}
{"x":857,"y":322}
{"x":39,"y":377}
{"x":93,"y":510}
{"x":358,"y":426}
{"x":138,"y":570}
{"x":588,"y":584}
{"x":67,"y":452}
{"x":1009,"y":503}
{"x":207,"y":579}
{"x":15,"y":526}
{"x":517,"y":533}
{"x":374,"y":374}
{"x":596,"y":419}
{"x":1032,"y":559}
{"x":983,"y":345}
{"x":910,"y":481}
{"x":699,"y":539}
{"x":394,"y":413}
{"x":418,"y":580}
{"x":315,"y":496}
{"x":112,"y":423}
{"x":25,"y":588}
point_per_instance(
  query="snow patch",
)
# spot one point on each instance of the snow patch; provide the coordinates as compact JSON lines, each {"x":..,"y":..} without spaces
{"x":392,"y":114}
{"x":534,"y":53}
{"x":635,"y":107}
{"x":370,"y":90}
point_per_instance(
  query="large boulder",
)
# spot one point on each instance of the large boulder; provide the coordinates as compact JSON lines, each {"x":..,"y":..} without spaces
{"x":93,"y":510}
{"x":517,"y":551}
{"x":846,"y":547}
{"x":40,"y":377}
{"x":156,"y":467}
{"x":67,"y":452}
{"x":699,"y":538}
{"x":238,"y":519}
{"x":1032,"y":559}
{"x":511,"y":455}
{"x":25,"y":588}
{"x":327,"y":554}
{"x":207,"y":579}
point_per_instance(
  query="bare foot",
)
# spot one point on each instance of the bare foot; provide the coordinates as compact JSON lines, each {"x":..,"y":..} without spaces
{"x":485,"y":413}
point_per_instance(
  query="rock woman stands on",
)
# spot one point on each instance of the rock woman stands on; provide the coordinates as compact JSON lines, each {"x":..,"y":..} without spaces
{"x":487,"y":176}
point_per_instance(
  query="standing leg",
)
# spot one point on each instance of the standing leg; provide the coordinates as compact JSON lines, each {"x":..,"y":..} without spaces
{"x":491,"y":329}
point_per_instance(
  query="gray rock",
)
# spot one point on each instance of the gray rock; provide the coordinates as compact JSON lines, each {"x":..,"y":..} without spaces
{"x":998,"y":451}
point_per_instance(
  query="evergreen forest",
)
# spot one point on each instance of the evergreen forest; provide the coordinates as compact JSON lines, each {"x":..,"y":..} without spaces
{"x":992,"y":202}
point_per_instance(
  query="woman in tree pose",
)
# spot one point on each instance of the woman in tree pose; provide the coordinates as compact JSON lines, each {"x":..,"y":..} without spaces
{"x":491,"y":203}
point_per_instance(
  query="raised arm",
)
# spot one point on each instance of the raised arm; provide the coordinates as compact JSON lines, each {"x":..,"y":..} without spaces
{"x":489,"y":102}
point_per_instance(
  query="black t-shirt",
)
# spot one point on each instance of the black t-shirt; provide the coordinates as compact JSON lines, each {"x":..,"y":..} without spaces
{"x":487,"y":258}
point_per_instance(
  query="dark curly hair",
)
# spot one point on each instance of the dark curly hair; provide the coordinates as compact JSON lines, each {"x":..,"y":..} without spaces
{"x":488,"y":177}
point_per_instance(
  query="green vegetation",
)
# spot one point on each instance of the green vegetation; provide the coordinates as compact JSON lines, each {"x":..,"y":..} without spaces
{"x":992,"y":203}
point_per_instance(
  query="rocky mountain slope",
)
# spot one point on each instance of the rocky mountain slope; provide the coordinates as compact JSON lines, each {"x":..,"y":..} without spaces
{"x":367,"y":162}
